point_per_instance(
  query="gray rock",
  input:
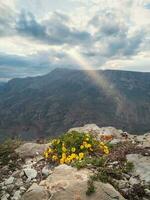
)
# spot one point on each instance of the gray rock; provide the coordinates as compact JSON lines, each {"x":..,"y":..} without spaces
{"x":10,"y":188}
{"x":68,"y":183}
{"x":9,"y":181}
{"x":22,"y":189}
{"x":36,"y":192}
{"x":17,"y":195}
{"x":123,"y":184}
{"x":141,"y":166}
{"x":115,"y":141}
{"x":134,"y":181}
{"x":30,"y":173}
{"x":147,"y":192}
{"x":46,"y":171}
{"x":19,"y":182}
{"x":31,"y":150}
{"x":5,"y":196}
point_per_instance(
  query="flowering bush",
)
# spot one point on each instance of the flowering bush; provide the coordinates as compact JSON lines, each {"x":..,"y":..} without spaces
{"x":74,"y":146}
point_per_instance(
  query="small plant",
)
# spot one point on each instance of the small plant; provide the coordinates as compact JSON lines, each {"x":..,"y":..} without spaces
{"x":7,"y":152}
{"x":72,"y":147}
{"x":90,"y":187}
{"x":128,"y":167}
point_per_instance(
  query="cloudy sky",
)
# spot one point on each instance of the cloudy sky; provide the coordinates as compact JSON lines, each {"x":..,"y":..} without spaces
{"x":37,"y":36}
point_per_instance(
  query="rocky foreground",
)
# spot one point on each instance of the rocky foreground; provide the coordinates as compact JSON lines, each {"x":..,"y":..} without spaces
{"x":27,"y":176}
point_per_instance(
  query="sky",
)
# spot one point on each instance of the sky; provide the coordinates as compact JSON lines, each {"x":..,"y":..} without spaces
{"x":37,"y":36}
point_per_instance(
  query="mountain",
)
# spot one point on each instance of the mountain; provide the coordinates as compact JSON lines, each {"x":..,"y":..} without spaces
{"x":48,"y":105}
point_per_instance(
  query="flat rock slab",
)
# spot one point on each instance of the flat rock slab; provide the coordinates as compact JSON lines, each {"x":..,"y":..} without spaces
{"x":141,"y":166}
{"x":67,"y":183}
{"x":36,"y":192}
{"x":31,"y":150}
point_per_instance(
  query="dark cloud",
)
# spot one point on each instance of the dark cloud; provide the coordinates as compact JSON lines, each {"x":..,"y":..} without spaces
{"x":53,"y":31}
{"x":113,"y":34}
{"x":12,"y":66}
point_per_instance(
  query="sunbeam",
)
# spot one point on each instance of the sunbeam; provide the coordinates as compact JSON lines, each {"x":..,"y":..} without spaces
{"x":99,"y":79}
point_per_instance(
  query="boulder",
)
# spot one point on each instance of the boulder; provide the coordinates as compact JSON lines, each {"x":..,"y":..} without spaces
{"x":141,"y":166}
{"x":99,"y":132}
{"x":69,"y":183}
{"x":31,"y":150}
{"x":36,"y":192}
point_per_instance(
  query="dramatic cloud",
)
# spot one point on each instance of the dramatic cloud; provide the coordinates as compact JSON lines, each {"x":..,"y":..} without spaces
{"x":35,"y":38}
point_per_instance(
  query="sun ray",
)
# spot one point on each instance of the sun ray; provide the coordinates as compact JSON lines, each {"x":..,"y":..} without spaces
{"x":98,"y":78}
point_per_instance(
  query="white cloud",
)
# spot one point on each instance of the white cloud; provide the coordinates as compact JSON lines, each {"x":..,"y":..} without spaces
{"x":107,"y":33}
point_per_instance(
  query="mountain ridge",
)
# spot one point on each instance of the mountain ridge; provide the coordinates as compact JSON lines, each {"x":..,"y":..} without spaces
{"x":52,"y":103}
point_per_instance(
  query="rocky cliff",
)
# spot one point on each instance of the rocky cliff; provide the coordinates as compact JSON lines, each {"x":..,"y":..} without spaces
{"x":26,"y":175}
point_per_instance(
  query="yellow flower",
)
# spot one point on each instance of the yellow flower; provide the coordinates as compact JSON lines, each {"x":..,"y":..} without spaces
{"x":63,"y":155}
{"x":49,"y":150}
{"x":87,"y":138}
{"x":89,"y":145}
{"x":106,"y":151}
{"x":64,"y":149}
{"x":84,"y":143}
{"x":54,"y":157}
{"x":58,"y":141}
{"x":53,"y":141}
{"x":81,"y":147}
{"x":62,"y":161}
{"x":67,"y":160}
{"x":81,"y":156}
{"x":46,"y":154}
{"x":73,"y":149}
{"x":102,"y":143}
{"x":73,"y":155}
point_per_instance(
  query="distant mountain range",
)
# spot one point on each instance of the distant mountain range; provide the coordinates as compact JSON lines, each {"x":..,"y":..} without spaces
{"x":50,"y":104}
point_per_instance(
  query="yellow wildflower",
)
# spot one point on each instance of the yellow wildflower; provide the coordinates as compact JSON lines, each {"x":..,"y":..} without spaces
{"x":54,"y":157}
{"x":73,"y":155}
{"x":89,"y":145}
{"x":67,"y":160}
{"x":91,"y":149}
{"x":49,"y":150}
{"x":46,"y":154}
{"x":81,"y":156}
{"x":81,"y":147}
{"x":64,"y":149}
{"x":73,"y":149}
{"x":54,"y":141}
{"x":58,"y":141}
{"x":87,"y":138}
{"x":63,"y":155}
{"x":102,"y":143}
{"x":106,"y":150}
{"x":62,"y":161}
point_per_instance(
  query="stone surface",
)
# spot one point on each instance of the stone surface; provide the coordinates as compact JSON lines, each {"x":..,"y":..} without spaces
{"x":9,"y":181}
{"x":134,"y":181}
{"x":71,"y":184}
{"x":17,"y":195}
{"x":30,"y":173}
{"x":46,"y":171}
{"x":141,"y":166}
{"x":99,"y":132}
{"x":36,"y":192}
{"x":31,"y":149}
